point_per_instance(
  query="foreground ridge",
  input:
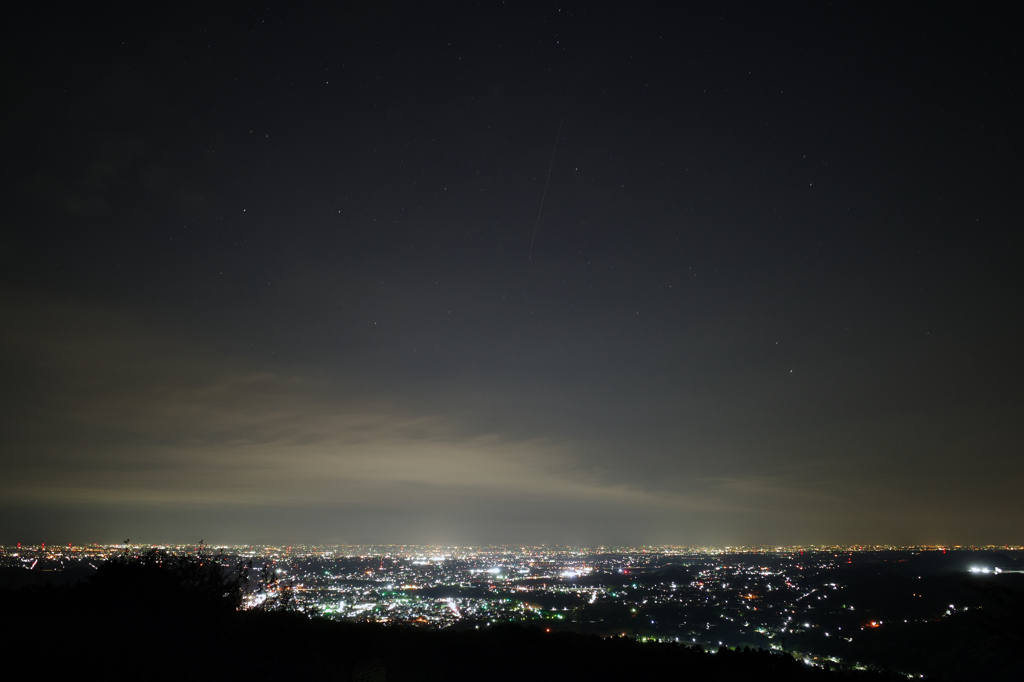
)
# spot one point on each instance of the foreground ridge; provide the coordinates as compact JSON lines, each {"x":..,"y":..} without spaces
{"x":921,"y":611}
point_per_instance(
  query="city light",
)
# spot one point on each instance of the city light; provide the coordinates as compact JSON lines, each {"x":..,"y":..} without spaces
{"x":756,"y":597}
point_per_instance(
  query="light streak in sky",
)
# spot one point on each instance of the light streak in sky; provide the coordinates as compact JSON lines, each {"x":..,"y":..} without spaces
{"x":545,"y":192}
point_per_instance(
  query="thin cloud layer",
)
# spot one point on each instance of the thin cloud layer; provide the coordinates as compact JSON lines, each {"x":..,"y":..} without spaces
{"x":138,"y":417}
{"x":117,"y":415}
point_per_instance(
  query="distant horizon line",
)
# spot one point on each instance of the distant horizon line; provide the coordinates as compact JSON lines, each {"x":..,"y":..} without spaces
{"x":436,"y":547}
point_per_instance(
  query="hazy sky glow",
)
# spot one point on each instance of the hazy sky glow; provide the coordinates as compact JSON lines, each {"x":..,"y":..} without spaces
{"x":265,"y":278}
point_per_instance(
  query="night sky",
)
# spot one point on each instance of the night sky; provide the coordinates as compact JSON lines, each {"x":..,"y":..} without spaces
{"x":266,"y":274}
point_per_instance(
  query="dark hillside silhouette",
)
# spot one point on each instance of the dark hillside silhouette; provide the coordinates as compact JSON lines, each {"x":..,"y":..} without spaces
{"x":164,"y":616}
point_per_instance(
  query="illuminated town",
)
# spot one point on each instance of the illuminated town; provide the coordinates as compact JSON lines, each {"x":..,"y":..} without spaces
{"x":812,"y":602}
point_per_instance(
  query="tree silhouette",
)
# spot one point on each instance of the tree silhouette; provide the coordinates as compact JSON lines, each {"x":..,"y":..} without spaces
{"x":196,"y":578}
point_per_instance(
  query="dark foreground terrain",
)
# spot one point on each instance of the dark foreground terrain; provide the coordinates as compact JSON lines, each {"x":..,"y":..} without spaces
{"x":166,"y":617}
